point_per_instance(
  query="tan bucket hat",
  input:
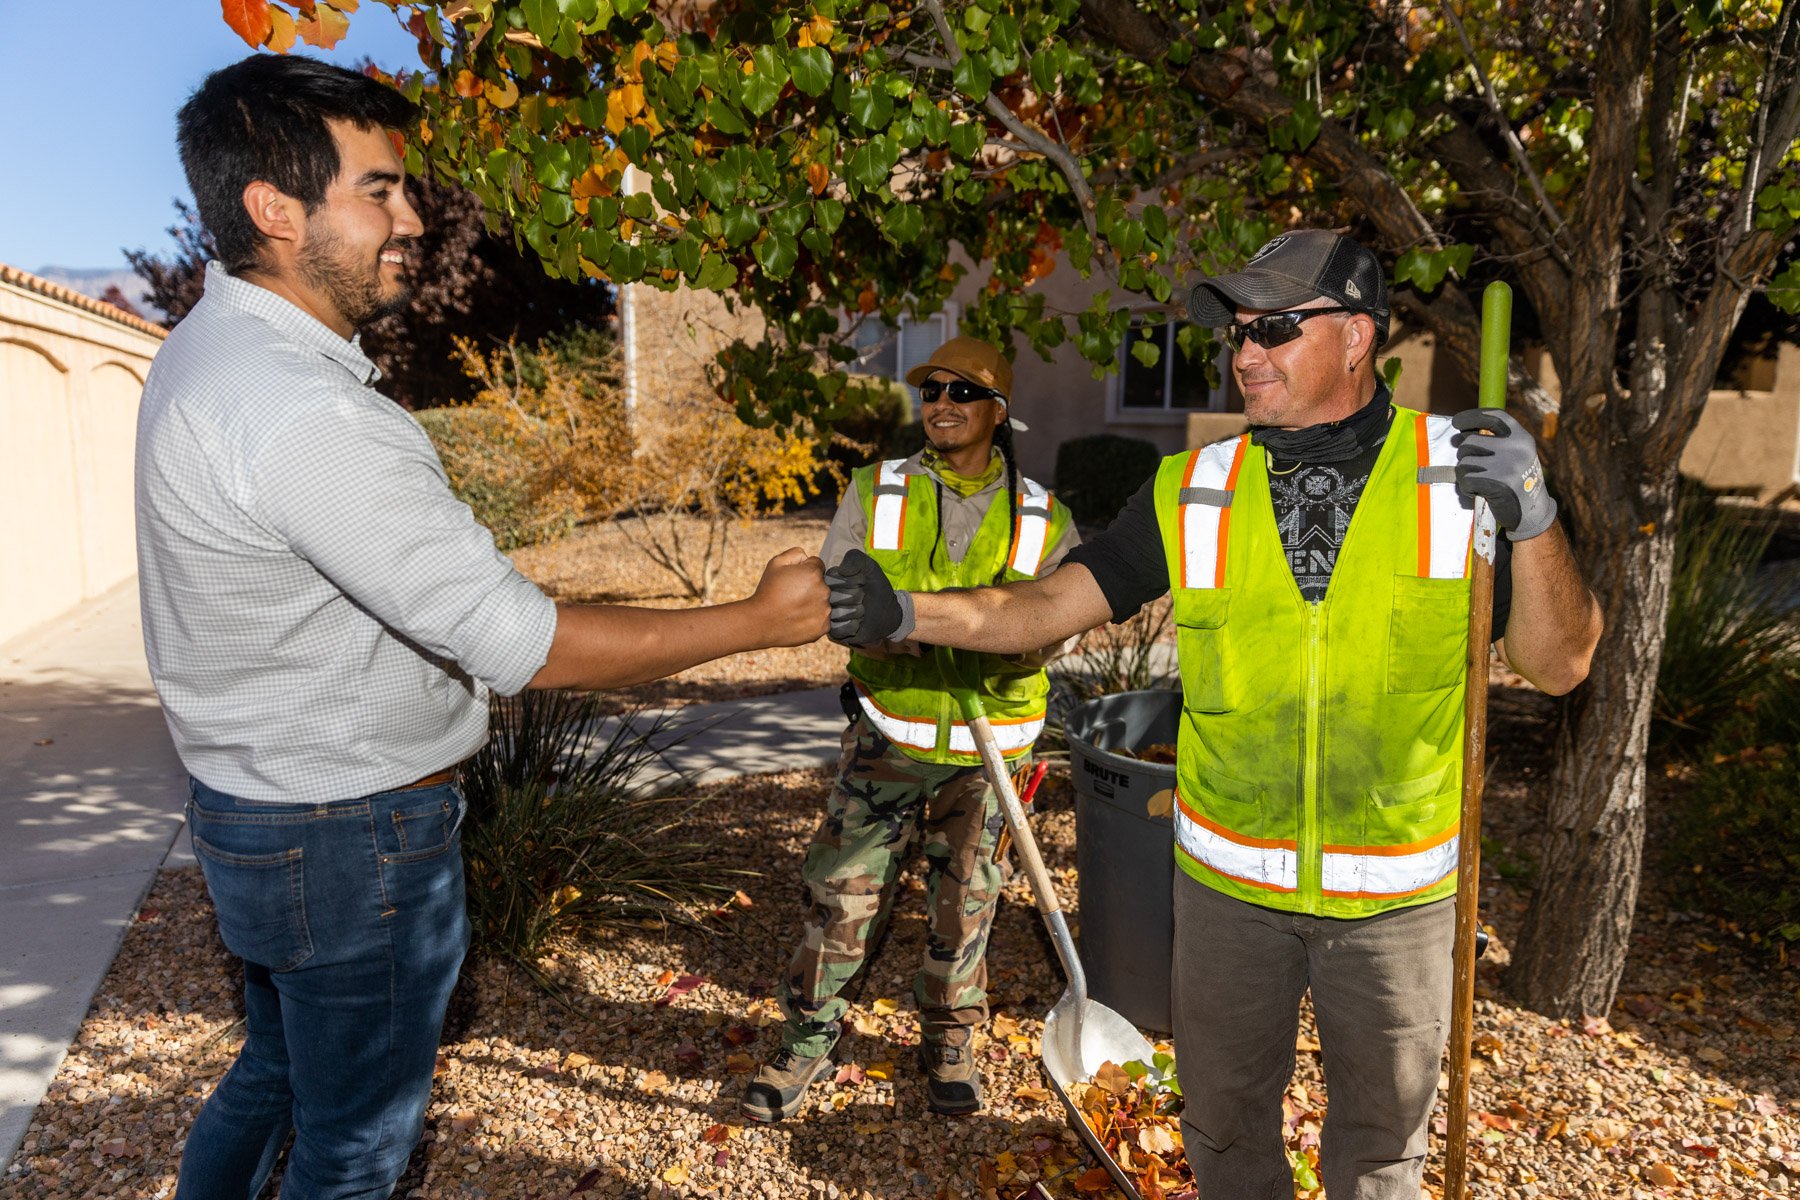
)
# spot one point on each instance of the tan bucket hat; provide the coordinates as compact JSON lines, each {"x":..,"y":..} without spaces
{"x":973,"y":360}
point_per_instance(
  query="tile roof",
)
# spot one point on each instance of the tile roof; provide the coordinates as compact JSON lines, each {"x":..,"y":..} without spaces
{"x":56,"y":291}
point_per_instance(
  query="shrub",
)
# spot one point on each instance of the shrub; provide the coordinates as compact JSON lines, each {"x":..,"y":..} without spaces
{"x":556,"y":843}
{"x":881,"y":408}
{"x":1096,"y":475}
{"x":1735,"y":843}
{"x":1728,"y":635}
{"x":701,"y":465}
{"x":493,"y":466}
{"x":545,"y":443}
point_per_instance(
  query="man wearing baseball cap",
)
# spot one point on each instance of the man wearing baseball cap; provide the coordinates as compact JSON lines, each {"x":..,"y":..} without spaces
{"x":957,"y":514}
{"x":1318,"y":567}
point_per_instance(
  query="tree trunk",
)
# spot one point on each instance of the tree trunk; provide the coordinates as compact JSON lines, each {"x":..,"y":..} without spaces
{"x":1572,"y":950}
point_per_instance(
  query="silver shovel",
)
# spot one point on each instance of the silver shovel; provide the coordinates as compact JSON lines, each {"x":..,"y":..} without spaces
{"x":1080,"y":1035}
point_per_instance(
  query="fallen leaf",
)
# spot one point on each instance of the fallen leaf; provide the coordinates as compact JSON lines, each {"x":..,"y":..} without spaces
{"x":868,"y":1127}
{"x":849,"y":1073}
{"x":586,"y":1182}
{"x":1113,"y":1078}
{"x":740,"y":1064}
{"x":1154,"y":1139}
{"x":1728,"y":1103}
{"x":679,"y":987}
{"x":1035,"y":1095}
{"x":687,"y":1054}
{"x":149,"y":914}
{"x":653,"y":1082}
{"x":739,"y":1035}
{"x":721,"y":1157}
{"x":463,"y":1120}
{"x":866,"y":1025}
{"x":575,"y":1061}
{"x":676,"y":1174}
{"x":885,"y":1007}
{"x":1496,"y":1121}
{"x":1662,"y":1175}
{"x":716,"y":1135}
{"x":743,"y":899}
{"x":1093,"y":1180}
{"x":880,"y":1070}
{"x":1607,"y":1131}
{"x":1595,"y":1026}
{"x":1306,"y":1044}
{"x":1711,"y":1054}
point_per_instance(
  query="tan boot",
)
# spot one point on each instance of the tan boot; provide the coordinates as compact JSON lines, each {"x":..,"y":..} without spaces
{"x":952,"y":1080}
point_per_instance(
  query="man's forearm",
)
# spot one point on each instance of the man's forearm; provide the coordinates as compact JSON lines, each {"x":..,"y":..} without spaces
{"x":1555,"y":622}
{"x":613,"y":645}
{"x":1015,"y":618}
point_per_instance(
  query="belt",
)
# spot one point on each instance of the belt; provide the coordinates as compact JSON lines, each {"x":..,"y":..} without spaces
{"x":437,"y":779}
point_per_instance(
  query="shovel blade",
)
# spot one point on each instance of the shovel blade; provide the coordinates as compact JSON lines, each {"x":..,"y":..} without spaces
{"x":1080,"y":1035}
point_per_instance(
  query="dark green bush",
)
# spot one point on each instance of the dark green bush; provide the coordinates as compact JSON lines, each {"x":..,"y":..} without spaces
{"x":1728,"y":635}
{"x":881,"y":407}
{"x":557,"y":841}
{"x":1096,"y":475}
{"x":1735,"y":844}
{"x":493,"y":469}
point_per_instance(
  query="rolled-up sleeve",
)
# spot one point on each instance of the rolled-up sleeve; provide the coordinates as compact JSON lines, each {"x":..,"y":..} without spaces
{"x":360,"y":494}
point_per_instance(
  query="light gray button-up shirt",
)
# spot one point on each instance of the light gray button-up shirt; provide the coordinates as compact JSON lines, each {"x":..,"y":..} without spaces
{"x":323,"y":618}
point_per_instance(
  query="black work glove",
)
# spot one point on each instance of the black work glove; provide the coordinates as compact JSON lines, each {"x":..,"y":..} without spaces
{"x":865,"y":608}
{"x":1503,"y":470}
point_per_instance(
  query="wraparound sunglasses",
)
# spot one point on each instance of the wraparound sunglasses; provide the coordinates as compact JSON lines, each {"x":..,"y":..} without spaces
{"x":1275,"y":329}
{"x":961,"y":391}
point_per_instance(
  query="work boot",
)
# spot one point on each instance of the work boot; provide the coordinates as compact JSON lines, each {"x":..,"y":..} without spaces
{"x":779,"y":1087}
{"x":952,"y":1080}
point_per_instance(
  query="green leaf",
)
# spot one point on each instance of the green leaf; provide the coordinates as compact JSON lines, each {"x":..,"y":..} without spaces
{"x":717,"y":183}
{"x":725,"y":118}
{"x":903,"y":222}
{"x":967,"y":138}
{"x":1135,"y":1069}
{"x":872,"y":108}
{"x":1397,"y":124}
{"x":828,"y":214}
{"x":811,"y":67}
{"x":556,"y":207}
{"x":777,"y":254}
{"x":741,"y":224}
{"x":972,"y":77}
{"x":1390,"y":371}
{"x":638,"y":206}
{"x":762,"y":87}
{"x":687,"y":255}
{"x":937,"y":125}
{"x":716,"y":275}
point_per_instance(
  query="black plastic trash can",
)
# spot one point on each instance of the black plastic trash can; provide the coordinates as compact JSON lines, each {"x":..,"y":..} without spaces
{"x":1124,"y":850}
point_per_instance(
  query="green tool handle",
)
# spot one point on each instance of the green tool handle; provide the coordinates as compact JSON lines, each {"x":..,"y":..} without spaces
{"x":1496,"y":343}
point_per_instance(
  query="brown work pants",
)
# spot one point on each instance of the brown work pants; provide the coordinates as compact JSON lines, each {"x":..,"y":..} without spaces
{"x":1381,"y":991}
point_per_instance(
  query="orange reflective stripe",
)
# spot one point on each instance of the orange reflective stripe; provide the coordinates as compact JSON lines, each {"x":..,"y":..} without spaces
{"x":1396,"y":851}
{"x":1237,"y":460}
{"x":1422,"y":438}
{"x":1231,"y":835}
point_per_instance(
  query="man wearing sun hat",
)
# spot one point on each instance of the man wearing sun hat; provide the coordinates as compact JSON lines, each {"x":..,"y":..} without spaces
{"x":957,"y":514}
{"x":1318,"y":567}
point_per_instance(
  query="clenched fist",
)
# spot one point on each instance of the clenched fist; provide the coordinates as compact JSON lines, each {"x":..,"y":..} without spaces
{"x":793,"y":599}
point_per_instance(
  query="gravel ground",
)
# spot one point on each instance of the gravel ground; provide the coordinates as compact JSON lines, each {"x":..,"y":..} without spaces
{"x":599,"y":565}
{"x":628,"y":1089}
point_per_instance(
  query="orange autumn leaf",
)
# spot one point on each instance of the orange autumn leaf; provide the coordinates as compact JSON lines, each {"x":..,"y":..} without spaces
{"x":817,"y":177}
{"x":466,"y":85}
{"x":282,"y":33}
{"x":1095,"y":1179}
{"x":504,"y":94}
{"x":325,"y":28}
{"x":249,"y":19}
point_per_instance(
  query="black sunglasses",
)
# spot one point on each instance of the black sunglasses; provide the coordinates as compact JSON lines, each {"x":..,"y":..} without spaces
{"x":961,"y":391}
{"x":1275,"y":329}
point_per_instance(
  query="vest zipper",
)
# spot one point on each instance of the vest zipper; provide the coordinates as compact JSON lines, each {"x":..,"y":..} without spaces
{"x":1311,"y":852}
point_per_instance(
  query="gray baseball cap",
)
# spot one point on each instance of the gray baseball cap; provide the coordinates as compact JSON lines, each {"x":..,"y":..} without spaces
{"x":1292,"y":269}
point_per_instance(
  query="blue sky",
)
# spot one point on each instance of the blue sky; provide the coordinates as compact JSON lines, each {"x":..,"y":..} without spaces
{"x":88,"y":134}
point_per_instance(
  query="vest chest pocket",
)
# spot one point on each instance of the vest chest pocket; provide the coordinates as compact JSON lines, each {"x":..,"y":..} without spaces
{"x":1428,"y":634}
{"x":1200,"y":635}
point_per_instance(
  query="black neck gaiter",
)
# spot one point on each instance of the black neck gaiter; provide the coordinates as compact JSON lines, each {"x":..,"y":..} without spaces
{"x":1331,"y":442}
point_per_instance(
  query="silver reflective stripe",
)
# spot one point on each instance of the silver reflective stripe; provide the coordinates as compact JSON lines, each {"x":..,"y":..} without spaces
{"x":1217,"y":497}
{"x":1430,"y":475}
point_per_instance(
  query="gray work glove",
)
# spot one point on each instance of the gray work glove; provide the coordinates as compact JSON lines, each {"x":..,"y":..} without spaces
{"x":865,"y":608}
{"x":1503,"y":470}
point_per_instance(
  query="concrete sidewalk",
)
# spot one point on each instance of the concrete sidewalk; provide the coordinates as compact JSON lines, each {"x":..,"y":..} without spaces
{"x":91,"y":799}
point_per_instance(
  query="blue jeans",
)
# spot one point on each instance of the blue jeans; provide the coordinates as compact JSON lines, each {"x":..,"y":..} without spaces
{"x":351,"y":922}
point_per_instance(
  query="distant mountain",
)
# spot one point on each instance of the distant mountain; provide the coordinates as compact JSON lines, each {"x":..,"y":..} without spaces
{"x":93,"y":281}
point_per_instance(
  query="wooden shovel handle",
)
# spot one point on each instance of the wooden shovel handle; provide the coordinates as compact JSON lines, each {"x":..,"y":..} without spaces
{"x":1496,"y":331}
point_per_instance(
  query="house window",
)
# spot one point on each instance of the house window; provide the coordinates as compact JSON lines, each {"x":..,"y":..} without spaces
{"x":890,"y":351}
{"x":1174,"y":385}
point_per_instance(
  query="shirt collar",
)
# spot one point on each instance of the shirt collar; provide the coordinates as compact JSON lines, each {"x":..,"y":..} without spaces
{"x":222,"y":287}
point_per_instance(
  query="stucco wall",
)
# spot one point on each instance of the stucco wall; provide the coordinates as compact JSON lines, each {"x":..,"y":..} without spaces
{"x":70,"y":378}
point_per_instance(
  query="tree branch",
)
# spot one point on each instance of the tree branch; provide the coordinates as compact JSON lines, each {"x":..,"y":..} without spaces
{"x":1055,"y":151}
{"x":1511,"y":138}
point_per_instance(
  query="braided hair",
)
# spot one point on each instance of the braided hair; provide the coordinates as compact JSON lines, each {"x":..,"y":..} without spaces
{"x":1003,"y":441}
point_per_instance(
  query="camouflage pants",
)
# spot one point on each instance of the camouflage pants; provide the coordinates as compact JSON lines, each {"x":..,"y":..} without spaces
{"x":883,"y":801}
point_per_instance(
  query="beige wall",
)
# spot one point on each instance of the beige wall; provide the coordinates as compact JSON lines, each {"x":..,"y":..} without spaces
{"x":70,"y":378}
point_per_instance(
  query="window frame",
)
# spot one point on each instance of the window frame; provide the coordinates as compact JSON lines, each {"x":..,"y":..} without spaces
{"x":1118,"y":413}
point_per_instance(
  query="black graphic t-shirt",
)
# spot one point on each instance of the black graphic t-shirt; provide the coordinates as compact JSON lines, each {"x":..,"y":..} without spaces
{"x":1313,"y":506}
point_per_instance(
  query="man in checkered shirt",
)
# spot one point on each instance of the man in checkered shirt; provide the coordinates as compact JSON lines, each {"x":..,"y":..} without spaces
{"x":324,"y":622}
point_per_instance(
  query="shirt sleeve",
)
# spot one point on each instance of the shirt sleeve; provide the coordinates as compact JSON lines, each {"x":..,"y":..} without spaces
{"x":1502,"y":586}
{"x":359,"y":492}
{"x":1127,"y":559}
{"x":849,"y":528}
